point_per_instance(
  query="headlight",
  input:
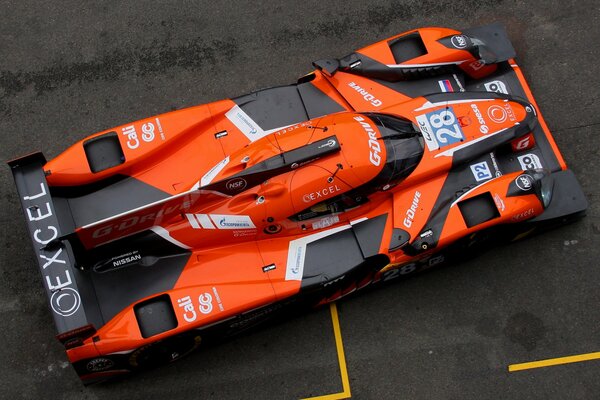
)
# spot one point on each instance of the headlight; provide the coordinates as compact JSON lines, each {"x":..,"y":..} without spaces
{"x":544,"y":185}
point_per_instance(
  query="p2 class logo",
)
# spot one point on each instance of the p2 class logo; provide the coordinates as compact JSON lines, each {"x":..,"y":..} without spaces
{"x":481,"y":171}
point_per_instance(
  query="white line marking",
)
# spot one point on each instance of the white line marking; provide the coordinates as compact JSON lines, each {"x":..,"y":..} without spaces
{"x":192,"y":221}
{"x":162,"y":232}
{"x":204,"y":221}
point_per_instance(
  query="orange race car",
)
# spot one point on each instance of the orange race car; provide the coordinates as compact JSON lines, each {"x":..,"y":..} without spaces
{"x":159,"y":235}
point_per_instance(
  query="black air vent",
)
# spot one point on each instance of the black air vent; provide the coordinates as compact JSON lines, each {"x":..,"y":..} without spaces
{"x":103,"y":152}
{"x":478,"y":209}
{"x":407,"y":47}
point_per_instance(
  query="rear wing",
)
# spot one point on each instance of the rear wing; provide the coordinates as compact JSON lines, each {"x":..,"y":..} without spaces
{"x":69,"y":291}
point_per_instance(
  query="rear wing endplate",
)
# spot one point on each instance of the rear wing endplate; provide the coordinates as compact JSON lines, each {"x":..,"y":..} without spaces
{"x":66,"y":286}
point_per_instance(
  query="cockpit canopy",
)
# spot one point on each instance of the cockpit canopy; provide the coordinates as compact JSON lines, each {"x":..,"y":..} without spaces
{"x":404,"y":148}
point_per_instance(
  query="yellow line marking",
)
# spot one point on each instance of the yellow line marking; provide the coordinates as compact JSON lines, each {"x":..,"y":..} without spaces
{"x":554,"y":361}
{"x":337,"y":332}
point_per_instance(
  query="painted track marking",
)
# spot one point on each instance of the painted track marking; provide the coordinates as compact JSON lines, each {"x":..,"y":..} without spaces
{"x":339,"y":345}
{"x":554,"y":361}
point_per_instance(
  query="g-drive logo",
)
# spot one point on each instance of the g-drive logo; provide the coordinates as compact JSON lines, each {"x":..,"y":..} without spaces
{"x":374,"y":146}
{"x":65,"y":300}
{"x":375,"y":102}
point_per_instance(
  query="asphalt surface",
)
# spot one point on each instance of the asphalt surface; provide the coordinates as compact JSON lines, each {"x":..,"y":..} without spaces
{"x":69,"y":69}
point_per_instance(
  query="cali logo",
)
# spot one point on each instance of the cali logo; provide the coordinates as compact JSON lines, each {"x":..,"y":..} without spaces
{"x":205,"y":300}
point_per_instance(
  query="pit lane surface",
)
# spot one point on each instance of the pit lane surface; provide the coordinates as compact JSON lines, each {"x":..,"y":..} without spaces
{"x":69,"y":69}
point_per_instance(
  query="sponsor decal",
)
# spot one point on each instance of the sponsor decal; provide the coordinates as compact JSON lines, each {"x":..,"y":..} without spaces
{"x":236,"y":184}
{"x":329,"y":143}
{"x":445,"y":86}
{"x":496,"y":86}
{"x":524,"y":143}
{"x":214,"y":171}
{"x":326,"y":222}
{"x":523,"y":215}
{"x":220,"y":221}
{"x":245,"y":123}
{"x":440,"y":128}
{"x":510,"y":112}
{"x":459,"y":41}
{"x":524,"y":182}
{"x":132,"y":138}
{"x":292,"y":128}
{"x":309,"y":197}
{"x":481,"y":171}
{"x":232,"y":221}
{"x":410,"y":213}
{"x":529,"y":161}
{"x":477,"y":65}
{"x":495,"y":164}
{"x":427,"y":233}
{"x":148,"y":133}
{"x":458,"y":83}
{"x":99,"y":364}
{"x":205,"y":304}
{"x":135,"y":220}
{"x":483,"y":128}
{"x":374,"y":146}
{"x":65,"y":299}
{"x":117,"y":262}
{"x":160,"y":128}
{"x":294,"y":270}
{"x":499,"y":202}
{"x":189,"y":313}
{"x":218,"y":298}
{"x":497,"y":114}
{"x":124,"y":259}
{"x":366,"y":95}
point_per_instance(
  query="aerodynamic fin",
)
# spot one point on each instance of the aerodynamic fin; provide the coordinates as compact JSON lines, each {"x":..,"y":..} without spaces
{"x":143,"y":218}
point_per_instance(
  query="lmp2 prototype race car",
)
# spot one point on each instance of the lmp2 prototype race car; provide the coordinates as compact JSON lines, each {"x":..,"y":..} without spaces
{"x":159,"y":235}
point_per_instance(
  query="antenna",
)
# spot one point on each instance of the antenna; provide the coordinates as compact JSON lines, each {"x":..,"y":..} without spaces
{"x":332,"y":177}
